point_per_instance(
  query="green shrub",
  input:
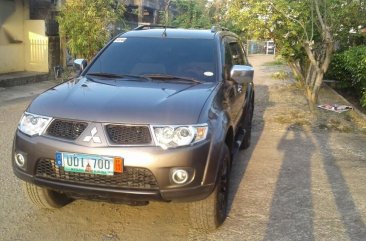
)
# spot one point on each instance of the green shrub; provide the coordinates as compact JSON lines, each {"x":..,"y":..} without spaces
{"x":86,"y":24}
{"x":281,"y":75}
{"x":363,"y":99}
{"x":349,"y":67}
{"x":337,"y":71}
{"x":355,"y":64}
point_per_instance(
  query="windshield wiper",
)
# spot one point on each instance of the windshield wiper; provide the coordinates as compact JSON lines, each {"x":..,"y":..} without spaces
{"x":117,"y":76}
{"x":171,"y":77}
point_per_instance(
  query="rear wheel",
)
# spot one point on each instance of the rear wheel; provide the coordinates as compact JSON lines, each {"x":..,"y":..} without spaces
{"x":248,"y":127}
{"x":45,"y":198}
{"x":210,"y":213}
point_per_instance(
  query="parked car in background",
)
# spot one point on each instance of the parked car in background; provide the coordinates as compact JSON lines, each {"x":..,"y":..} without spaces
{"x":270,"y":47}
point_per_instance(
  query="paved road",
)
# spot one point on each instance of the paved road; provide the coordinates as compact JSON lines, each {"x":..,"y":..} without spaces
{"x":291,"y":184}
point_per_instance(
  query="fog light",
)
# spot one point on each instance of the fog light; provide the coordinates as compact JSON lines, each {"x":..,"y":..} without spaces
{"x":180,"y":176}
{"x":19,"y":160}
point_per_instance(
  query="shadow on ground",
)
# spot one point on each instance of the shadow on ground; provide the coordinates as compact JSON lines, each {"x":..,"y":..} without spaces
{"x":291,"y":214}
{"x":239,"y":166}
{"x":347,"y":209}
{"x":292,"y":210}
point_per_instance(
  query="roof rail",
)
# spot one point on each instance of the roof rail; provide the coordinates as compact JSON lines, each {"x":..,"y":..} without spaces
{"x":151,"y":26}
{"x":214,"y":29}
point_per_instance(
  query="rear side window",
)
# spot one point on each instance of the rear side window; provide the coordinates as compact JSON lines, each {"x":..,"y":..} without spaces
{"x":194,"y":58}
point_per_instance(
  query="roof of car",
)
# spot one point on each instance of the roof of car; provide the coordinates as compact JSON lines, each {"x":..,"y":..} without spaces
{"x":171,"y":33}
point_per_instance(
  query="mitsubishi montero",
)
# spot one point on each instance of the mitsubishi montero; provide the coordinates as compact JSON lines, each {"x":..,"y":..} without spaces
{"x":156,"y":116}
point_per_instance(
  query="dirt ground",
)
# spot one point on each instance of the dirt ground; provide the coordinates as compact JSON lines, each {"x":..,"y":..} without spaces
{"x":303,"y":178}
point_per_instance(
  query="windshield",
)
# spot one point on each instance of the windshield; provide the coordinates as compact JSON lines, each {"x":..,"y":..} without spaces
{"x":191,"y":58}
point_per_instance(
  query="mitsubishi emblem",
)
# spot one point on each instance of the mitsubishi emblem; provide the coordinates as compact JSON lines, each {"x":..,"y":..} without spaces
{"x":93,"y":136}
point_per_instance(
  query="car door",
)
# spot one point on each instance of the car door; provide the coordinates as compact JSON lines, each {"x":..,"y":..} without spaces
{"x":235,"y":92}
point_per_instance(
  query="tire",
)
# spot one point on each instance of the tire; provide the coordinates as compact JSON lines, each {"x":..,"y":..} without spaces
{"x":45,"y":198}
{"x":248,"y":127}
{"x":208,"y":214}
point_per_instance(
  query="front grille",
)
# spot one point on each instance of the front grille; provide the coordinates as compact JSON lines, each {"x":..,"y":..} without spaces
{"x":131,"y":178}
{"x":129,"y":135}
{"x":66,"y":129}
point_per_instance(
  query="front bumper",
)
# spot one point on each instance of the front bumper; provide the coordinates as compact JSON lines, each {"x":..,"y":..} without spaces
{"x":159,"y":162}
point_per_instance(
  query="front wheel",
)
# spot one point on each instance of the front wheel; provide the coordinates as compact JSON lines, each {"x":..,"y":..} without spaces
{"x":45,"y":198}
{"x":210,"y":213}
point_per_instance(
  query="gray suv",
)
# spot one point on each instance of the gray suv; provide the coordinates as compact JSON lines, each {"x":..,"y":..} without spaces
{"x":156,"y":116}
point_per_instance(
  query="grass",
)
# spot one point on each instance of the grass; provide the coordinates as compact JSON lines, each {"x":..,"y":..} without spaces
{"x":281,"y":75}
{"x":323,"y":122}
{"x":293,"y":118}
{"x":275,"y":63}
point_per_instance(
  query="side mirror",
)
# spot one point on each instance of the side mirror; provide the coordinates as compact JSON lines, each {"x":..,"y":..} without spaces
{"x":80,"y":64}
{"x":242,"y":74}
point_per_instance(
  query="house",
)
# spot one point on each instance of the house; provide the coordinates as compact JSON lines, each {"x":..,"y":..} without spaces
{"x":143,"y":11}
{"x":27,"y":43}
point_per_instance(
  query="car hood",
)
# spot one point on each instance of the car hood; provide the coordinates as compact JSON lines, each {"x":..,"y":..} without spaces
{"x":123,"y":101}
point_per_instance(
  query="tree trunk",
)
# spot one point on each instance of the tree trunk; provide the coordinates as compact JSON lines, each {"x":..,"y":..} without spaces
{"x":296,"y":70}
{"x":317,"y":85}
{"x":314,"y":80}
{"x":319,"y":64}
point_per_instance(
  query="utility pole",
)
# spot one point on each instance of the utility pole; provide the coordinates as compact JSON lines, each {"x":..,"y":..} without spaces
{"x":63,"y":45}
{"x":141,"y":11}
{"x":166,"y":13}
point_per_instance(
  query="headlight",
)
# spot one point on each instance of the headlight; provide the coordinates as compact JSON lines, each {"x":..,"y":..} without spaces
{"x":31,"y":124}
{"x":174,"y":136}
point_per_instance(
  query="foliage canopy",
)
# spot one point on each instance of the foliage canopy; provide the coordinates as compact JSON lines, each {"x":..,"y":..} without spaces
{"x":86,"y":24}
{"x":349,"y":67}
{"x":305,"y":31}
{"x":197,"y":13}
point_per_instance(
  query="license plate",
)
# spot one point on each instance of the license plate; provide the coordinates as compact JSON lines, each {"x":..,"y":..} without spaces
{"x":85,"y":163}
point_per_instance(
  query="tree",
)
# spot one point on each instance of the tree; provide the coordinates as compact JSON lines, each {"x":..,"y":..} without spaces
{"x":87,"y":24}
{"x":216,"y":12}
{"x":191,"y":14}
{"x":305,"y":31}
{"x":194,"y":13}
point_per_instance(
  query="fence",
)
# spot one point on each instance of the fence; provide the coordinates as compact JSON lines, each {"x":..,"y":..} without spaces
{"x":36,"y":46}
{"x":38,"y":50}
{"x":260,"y":47}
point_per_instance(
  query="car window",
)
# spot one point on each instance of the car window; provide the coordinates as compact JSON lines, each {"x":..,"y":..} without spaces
{"x":242,"y":50}
{"x":228,"y":58}
{"x":193,"y":58}
{"x":228,"y":55}
{"x":237,"y":54}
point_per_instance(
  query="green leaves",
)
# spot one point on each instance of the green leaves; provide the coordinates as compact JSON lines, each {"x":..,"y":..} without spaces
{"x":192,"y":14}
{"x":363,"y":98}
{"x":304,"y":31}
{"x":86,"y":24}
{"x":279,"y":20}
{"x":349,"y":67}
{"x":199,"y":13}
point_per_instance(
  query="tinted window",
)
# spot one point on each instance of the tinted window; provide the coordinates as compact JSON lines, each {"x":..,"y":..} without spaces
{"x":237,"y":54}
{"x":194,"y":58}
{"x":228,"y":55}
